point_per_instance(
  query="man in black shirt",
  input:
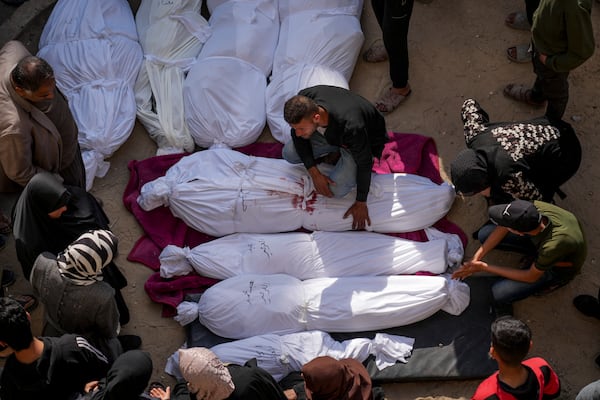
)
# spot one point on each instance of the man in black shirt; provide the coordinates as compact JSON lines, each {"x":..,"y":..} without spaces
{"x":47,"y":367}
{"x":335,"y":126}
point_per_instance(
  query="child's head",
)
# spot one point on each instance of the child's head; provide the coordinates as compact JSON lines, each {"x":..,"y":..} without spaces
{"x":511,"y":340}
{"x":15,"y":328}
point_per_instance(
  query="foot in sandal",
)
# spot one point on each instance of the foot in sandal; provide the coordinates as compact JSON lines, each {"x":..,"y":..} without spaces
{"x":375,"y":53}
{"x":392,"y":99}
{"x":522,"y":94}
{"x":520,"y":53}
{"x":517,"y":20}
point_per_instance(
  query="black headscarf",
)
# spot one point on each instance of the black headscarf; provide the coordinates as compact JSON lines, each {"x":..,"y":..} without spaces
{"x":469,"y":172}
{"x":35,"y":232}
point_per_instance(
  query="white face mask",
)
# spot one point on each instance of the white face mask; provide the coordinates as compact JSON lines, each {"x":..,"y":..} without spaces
{"x":321,"y":129}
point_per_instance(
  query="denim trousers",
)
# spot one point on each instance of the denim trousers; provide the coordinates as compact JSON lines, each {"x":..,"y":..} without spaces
{"x":507,"y":291}
{"x":343,"y":173}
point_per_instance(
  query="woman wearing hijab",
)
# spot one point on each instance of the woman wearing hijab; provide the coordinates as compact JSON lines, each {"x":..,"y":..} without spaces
{"x":209,"y":379}
{"x":75,"y":297}
{"x":48,"y":216}
{"x":506,"y":161}
{"x":326,"y":378}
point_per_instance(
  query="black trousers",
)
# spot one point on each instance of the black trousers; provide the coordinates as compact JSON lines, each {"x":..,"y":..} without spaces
{"x":551,"y":86}
{"x":393,"y":17}
{"x":126,"y":379}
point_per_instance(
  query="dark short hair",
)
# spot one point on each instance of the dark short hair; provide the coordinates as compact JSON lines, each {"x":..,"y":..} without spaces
{"x":31,"y":72}
{"x":299,"y":107}
{"x":15,"y":327}
{"x":511,"y":339}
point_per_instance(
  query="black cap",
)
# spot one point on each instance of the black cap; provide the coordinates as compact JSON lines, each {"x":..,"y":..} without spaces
{"x":519,"y":215}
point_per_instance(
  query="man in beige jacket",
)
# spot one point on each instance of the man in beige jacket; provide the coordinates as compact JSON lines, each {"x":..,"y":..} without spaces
{"x":37,"y":130}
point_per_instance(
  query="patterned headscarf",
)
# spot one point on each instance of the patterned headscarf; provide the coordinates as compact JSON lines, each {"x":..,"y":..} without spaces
{"x":82,"y":262}
{"x":206,"y":375}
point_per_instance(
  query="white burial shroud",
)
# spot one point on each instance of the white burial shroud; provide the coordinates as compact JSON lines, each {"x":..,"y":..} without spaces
{"x":281,"y":355}
{"x":224,"y":91}
{"x":305,"y":256}
{"x":250,"y":305}
{"x":94,"y":51}
{"x":221,"y":191}
{"x":171,"y":34}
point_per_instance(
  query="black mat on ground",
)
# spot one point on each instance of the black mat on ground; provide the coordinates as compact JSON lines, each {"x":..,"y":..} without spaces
{"x":446,"y":346}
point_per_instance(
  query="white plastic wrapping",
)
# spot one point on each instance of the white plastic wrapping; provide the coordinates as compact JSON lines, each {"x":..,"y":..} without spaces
{"x":224,"y":101}
{"x":250,"y":305}
{"x":247,"y":30}
{"x":332,"y":38}
{"x":94,"y":51}
{"x":287,"y":84}
{"x":171,"y":34}
{"x":288,"y":7}
{"x":280,"y":355}
{"x":306,"y":256}
{"x":221,"y":191}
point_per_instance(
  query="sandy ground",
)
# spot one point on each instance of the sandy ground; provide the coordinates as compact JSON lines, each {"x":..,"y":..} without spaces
{"x":457,"y":50}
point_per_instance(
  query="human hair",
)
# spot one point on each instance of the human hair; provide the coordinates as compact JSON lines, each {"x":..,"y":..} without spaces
{"x":511,"y":339}
{"x":31,"y":72}
{"x":299,"y":107}
{"x":15,"y":327}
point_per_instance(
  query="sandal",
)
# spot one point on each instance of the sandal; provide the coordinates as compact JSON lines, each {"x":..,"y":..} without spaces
{"x":522,"y":94}
{"x":28,"y":302}
{"x":5,"y":227}
{"x":390,"y":101}
{"x":517,"y":20}
{"x":587,"y":305}
{"x":376,"y":53}
{"x":520,"y":53}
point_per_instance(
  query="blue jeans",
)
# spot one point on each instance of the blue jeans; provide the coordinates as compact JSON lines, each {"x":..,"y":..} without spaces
{"x":507,"y":291}
{"x":344,"y":171}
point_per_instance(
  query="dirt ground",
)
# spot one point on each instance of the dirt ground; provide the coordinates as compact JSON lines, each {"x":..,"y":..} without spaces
{"x":457,"y":50}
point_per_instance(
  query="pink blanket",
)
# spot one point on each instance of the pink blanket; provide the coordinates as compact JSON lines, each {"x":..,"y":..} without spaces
{"x":410,"y":153}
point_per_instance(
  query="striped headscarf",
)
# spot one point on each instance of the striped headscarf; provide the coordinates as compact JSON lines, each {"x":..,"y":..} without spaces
{"x":82,"y":262}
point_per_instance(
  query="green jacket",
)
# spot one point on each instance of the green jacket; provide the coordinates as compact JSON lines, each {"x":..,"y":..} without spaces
{"x":562,"y":30}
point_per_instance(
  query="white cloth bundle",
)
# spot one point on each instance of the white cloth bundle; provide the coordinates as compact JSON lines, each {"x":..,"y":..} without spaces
{"x":332,"y":38}
{"x":221,"y":191}
{"x":249,"y":305}
{"x":287,"y":84}
{"x":94,"y":51}
{"x":247,"y":30}
{"x":171,"y":34}
{"x":306,"y":256}
{"x":280,"y":355}
{"x":224,"y":102}
{"x":288,"y":7}
{"x":225,"y":90}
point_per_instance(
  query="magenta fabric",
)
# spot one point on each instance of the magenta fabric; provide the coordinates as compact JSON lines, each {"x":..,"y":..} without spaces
{"x":406,"y":152}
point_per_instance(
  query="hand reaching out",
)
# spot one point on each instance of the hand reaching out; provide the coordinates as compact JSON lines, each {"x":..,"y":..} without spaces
{"x":160,"y":393}
{"x":469,"y":268}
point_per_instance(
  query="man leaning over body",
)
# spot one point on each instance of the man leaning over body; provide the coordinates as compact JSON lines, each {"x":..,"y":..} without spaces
{"x":335,"y":126}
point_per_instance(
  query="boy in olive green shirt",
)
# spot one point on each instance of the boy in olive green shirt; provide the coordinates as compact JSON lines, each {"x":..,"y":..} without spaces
{"x":551,"y":235}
